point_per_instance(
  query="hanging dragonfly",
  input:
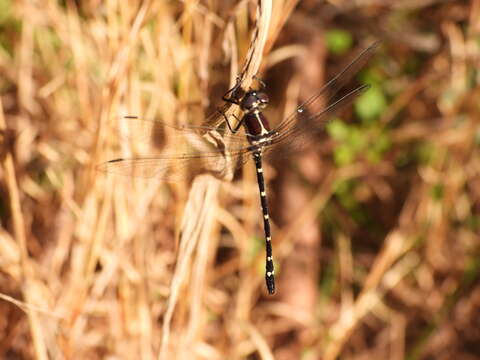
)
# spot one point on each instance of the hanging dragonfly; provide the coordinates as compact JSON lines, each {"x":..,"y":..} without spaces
{"x":206,"y":149}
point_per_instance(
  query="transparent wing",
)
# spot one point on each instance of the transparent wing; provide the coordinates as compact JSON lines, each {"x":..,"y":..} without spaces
{"x":205,"y":149}
{"x":301,"y":134}
{"x":185,"y":150}
{"x":175,"y":152}
{"x":328,"y":91}
{"x":158,"y":134}
{"x":178,"y":166}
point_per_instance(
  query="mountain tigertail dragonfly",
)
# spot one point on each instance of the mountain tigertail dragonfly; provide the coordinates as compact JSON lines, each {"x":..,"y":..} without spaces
{"x":210,"y":151}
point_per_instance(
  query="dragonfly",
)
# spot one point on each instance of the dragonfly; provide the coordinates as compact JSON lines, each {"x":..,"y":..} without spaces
{"x":210,"y":149}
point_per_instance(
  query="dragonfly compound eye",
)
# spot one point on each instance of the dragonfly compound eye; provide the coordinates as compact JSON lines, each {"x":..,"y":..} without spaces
{"x":249,"y":101}
{"x":263,"y":98}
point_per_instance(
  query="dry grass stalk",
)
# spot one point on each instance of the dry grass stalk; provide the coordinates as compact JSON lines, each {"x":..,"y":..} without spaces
{"x":27,"y":277}
{"x":197,"y":219}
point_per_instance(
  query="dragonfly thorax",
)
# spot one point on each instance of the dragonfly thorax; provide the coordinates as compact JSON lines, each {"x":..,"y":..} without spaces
{"x":254,"y":101}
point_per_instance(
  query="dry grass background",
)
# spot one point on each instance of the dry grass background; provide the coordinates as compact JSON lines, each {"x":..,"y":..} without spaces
{"x":377,"y":257}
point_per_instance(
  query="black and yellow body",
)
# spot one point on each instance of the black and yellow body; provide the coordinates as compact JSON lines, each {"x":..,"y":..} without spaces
{"x":257,"y":129}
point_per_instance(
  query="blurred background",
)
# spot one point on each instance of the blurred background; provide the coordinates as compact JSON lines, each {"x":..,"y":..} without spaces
{"x":375,"y":227}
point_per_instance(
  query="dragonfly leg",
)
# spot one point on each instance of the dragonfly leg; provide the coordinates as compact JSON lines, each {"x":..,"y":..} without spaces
{"x":239,"y":122}
{"x":261,"y":82}
{"x":231,"y":95}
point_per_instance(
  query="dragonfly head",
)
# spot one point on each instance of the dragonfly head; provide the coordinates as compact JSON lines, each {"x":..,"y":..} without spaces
{"x":254,"y":100}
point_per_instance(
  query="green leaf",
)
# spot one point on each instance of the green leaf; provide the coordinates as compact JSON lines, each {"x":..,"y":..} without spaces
{"x":473,"y":222}
{"x":425,"y":153}
{"x":338,"y":41}
{"x":328,"y":280}
{"x":344,"y":155}
{"x":437,"y":192}
{"x":379,"y":144}
{"x":477,"y":136}
{"x":357,"y":139}
{"x":337,"y":129}
{"x":371,"y":104}
{"x":342,"y":186}
{"x":5,"y":11}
